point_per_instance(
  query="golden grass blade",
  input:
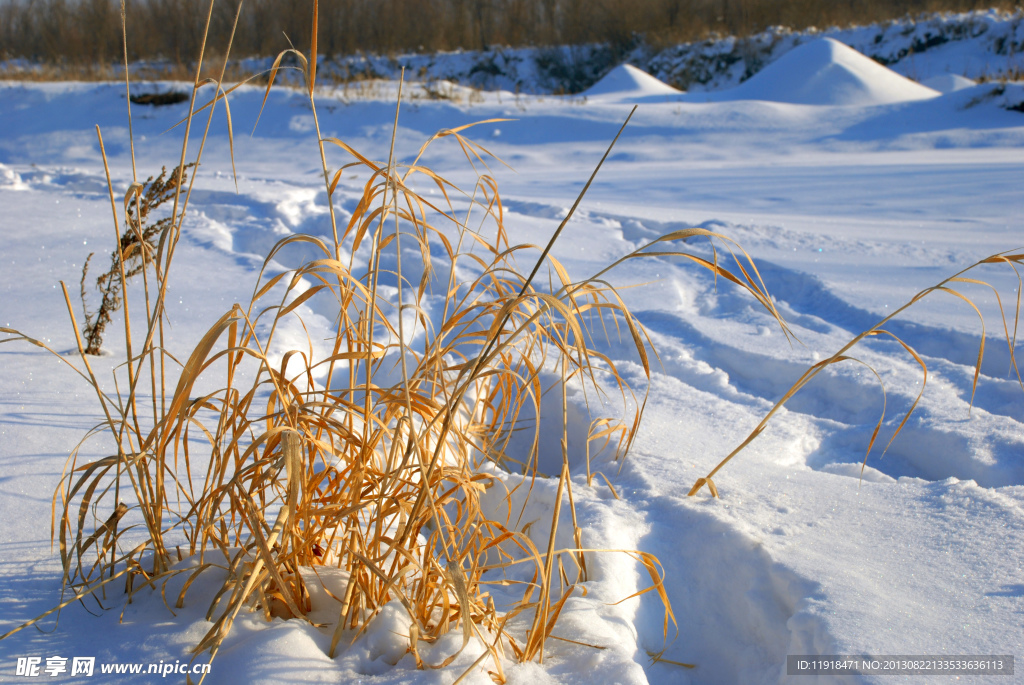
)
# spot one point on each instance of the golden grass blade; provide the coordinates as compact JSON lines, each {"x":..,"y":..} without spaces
{"x":273,"y":75}
{"x":920,"y":394}
{"x":572,"y":210}
{"x":1011,"y":259}
{"x":658,"y":658}
{"x":981,"y":346}
{"x":312,"y":48}
{"x":220,"y":95}
{"x":352,"y":151}
{"x":611,"y":487}
{"x":576,"y":642}
{"x":21,"y":337}
{"x":108,"y":526}
{"x":231,"y":128}
{"x":458,"y":578}
{"x":195,"y":361}
{"x":455,"y":132}
{"x":538,"y":632}
{"x":334,"y":184}
{"x":78,"y":597}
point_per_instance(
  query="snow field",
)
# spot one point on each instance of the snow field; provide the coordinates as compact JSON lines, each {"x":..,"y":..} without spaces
{"x":852,"y":196}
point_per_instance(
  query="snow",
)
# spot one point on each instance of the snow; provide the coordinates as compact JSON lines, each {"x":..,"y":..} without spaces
{"x":948,"y":83}
{"x":971,"y":44}
{"x":851,"y":187}
{"x":826,"y":72}
{"x":11,"y":180}
{"x":626,"y":83}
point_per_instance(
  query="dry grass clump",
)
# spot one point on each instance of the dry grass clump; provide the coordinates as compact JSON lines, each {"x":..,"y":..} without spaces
{"x":362,"y":453}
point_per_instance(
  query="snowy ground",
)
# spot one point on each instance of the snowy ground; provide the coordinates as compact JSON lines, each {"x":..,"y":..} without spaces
{"x":852,"y":196}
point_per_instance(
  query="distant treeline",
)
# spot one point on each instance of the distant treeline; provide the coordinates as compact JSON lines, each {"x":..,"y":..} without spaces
{"x":89,"y":31}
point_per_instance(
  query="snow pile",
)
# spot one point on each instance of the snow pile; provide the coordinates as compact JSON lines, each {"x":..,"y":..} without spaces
{"x":971,"y":44}
{"x":826,"y":72}
{"x":628,"y":83}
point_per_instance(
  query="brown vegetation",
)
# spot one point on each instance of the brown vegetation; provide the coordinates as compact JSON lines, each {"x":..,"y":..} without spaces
{"x":135,"y":250}
{"x":379,"y":473}
{"x":73,"y":33}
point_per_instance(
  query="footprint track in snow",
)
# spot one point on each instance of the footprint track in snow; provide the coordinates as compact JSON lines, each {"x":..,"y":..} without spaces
{"x":808,"y":301}
{"x":938,"y":442}
{"x":721,"y":581}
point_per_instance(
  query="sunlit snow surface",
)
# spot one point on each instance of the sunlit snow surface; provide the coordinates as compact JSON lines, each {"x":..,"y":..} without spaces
{"x":849,"y":207}
{"x":826,"y":72}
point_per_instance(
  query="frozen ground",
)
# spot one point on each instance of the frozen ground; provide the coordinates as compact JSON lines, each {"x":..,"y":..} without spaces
{"x":850,"y":203}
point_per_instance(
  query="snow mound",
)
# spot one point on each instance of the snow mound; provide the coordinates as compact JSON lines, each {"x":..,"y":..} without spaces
{"x":948,"y":83}
{"x":826,"y":72}
{"x":627,"y":81}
